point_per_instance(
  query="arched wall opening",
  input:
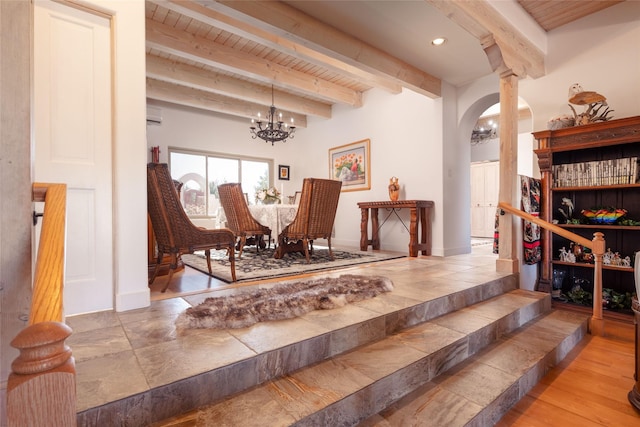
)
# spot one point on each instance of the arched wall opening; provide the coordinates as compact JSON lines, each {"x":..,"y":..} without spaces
{"x":490,"y":152}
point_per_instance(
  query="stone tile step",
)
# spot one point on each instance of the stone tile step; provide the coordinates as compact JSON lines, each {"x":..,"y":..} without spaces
{"x":480,"y":391}
{"x":289,"y":350}
{"x":350,"y":387}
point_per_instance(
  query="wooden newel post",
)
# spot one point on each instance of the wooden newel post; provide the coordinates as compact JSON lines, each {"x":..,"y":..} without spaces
{"x":596,"y":326}
{"x":41,"y":388}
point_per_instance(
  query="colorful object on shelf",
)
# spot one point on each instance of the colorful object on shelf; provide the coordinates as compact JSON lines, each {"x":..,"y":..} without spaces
{"x":603,"y":216}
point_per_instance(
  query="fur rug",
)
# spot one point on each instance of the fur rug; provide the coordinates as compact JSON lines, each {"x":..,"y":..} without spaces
{"x":282,"y":301}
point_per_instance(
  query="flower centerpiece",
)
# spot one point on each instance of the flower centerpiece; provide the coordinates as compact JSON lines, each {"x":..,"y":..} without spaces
{"x":268,"y":196}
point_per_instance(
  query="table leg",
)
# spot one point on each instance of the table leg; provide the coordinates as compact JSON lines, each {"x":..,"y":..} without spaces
{"x":375,"y":240}
{"x":413,"y":233}
{"x":426,"y":232}
{"x":364,"y":224}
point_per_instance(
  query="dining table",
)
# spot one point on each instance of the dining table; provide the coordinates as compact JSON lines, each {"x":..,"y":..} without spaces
{"x":274,"y":216}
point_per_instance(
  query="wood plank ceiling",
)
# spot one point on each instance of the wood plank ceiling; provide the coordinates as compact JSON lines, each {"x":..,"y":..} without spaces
{"x":228,"y":56}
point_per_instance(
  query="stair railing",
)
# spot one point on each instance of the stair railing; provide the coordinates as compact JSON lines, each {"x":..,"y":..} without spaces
{"x":597,"y":246}
{"x":41,"y":388}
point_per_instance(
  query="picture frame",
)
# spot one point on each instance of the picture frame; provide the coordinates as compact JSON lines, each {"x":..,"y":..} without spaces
{"x":351,"y":164}
{"x":283,"y":172}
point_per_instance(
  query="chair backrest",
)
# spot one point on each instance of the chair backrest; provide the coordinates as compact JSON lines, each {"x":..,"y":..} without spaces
{"x":236,"y":209}
{"x":170,"y":222}
{"x":317,"y":209}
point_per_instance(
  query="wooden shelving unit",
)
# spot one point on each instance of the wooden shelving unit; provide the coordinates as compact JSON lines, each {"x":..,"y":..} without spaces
{"x":597,"y":142}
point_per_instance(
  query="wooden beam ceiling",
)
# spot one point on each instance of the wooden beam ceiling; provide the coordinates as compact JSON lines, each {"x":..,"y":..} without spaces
{"x":230,"y":56}
{"x":505,"y":46}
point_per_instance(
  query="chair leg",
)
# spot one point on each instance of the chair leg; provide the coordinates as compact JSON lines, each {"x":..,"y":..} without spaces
{"x":305,"y":243}
{"x":173,"y":265}
{"x":232,"y":260}
{"x":261,"y":243}
{"x":330,"y":250}
{"x":156,"y":269}
{"x":207,"y":255}
{"x":243,"y":241}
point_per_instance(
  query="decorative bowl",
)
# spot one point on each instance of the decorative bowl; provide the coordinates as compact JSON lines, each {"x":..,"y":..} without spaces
{"x":603,"y":216}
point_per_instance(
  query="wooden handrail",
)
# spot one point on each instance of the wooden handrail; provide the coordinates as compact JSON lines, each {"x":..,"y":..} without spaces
{"x":597,"y":246}
{"x":41,"y":389}
{"x":46,"y":304}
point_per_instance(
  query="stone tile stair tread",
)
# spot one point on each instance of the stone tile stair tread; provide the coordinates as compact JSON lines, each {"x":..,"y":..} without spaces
{"x":459,"y":396}
{"x":310,"y":389}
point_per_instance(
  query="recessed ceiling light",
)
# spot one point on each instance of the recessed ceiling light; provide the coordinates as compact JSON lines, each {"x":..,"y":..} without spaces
{"x":438,"y":41}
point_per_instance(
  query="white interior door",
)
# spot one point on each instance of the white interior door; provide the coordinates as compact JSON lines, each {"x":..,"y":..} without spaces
{"x":72,"y":113}
{"x":485,"y":182}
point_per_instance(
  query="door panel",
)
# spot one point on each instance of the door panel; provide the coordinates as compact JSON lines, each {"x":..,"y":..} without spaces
{"x":485,"y":184}
{"x":72,"y":112}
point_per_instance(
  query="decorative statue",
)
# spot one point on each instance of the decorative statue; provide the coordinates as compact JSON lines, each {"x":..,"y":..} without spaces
{"x":394,"y":189}
{"x":593,"y":103}
{"x":566,"y":209}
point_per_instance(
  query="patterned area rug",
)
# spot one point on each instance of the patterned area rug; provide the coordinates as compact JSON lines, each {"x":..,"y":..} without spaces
{"x":282,"y":301}
{"x":254,"y":266}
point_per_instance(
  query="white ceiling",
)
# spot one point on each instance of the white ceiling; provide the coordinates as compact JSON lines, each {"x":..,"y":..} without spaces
{"x":405,"y":29}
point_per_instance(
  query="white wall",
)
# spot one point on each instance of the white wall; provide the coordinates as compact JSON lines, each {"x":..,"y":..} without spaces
{"x":398,"y":148}
{"x":130,"y":189}
{"x":406,"y":142}
{"x":601,"y":53}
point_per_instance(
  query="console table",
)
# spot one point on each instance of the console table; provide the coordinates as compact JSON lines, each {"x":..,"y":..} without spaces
{"x":420,"y":213}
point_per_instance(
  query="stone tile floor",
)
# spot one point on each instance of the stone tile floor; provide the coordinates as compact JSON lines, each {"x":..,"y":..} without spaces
{"x":121,"y":354}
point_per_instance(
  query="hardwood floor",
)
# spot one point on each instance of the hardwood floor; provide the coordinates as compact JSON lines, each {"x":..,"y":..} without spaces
{"x":588,"y":388}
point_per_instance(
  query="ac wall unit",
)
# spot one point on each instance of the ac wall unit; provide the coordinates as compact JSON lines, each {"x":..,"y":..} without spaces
{"x":154,"y":116}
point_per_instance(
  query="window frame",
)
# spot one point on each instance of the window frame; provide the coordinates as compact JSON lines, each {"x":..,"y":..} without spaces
{"x":208,"y":154}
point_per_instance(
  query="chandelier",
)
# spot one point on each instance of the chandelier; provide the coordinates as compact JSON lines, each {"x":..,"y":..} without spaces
{"x":271,"y":130}
{"x":482,"y":134}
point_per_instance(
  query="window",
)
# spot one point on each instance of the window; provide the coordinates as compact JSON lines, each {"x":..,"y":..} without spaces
{"x":202,"y":172}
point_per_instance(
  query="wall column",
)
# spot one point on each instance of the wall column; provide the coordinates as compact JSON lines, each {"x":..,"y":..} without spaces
{"x":508,"y":254}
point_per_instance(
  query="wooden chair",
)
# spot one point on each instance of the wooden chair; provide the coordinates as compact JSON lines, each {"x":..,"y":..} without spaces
{"x":314,"y":219}
{"x":174,"y":231}
{"x":239,"y":218}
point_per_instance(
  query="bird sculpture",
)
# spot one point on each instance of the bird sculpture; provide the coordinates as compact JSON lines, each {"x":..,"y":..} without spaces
{"x":593,"y":102}
{"x":579,"y":96}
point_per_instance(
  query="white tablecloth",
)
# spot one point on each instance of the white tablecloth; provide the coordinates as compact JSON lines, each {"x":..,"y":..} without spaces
{"x":276,"y":217}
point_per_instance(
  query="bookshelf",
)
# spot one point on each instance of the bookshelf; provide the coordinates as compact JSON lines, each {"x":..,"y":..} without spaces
{"x":593,"y":166}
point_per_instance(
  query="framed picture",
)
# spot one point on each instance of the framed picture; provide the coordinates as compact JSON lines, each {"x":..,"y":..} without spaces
{"x":284,"y":172}
{"x":351,"y":164}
